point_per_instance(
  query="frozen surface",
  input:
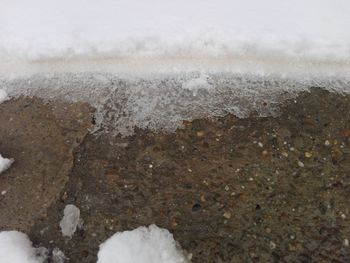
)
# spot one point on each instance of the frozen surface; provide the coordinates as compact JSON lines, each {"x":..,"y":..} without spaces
{"x":153,"y":63}
{"x":15,"y":247}
{"x":269,"y":36}
{"x":41,"y":29}
{"x":70,"y":221}
{"x":3,"y":96}
{"x":146,"y":245}
{"x":163,"y":101}
{"x":5,"y":163}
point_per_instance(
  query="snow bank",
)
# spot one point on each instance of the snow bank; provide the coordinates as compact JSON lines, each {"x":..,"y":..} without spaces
{"x":70,"y":221}
{"x":166,"y":35}
{"x":153,"y":63}
{"x":147,"y":245}
{"x":15,"y":247}
{"x":5,"y":163}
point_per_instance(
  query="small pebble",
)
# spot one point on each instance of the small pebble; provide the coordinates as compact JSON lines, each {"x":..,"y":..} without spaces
{"x":272,"y":245}
{"x":3,"y":192}
{"x":343,"y":216}
{"x":327,"y":143}
{"x":227,"y":215}
{"x":150,"y":166}
{"x":346,"y":242}
{"x":260,"y":144}
{"x":174,"y":224}
{"x":264,"y":152}
{"x":227,"y":188}
{"x":285,"y":154}
{"x":200,"y":133}
{"x":308,"y":154}
{"x":196,"y":207}
{"x":301,"y":164}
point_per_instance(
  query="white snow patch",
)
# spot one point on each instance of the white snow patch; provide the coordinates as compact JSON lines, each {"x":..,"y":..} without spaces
{"x":3,"y":96}
{"x":5,"y":163}
{"x":15,"y":247}
{"x":70,"y":220}
{"x":154,"y":63}
{"x":58,"y":256}
{"x":265,"y":36}
{"x":146,"y":245}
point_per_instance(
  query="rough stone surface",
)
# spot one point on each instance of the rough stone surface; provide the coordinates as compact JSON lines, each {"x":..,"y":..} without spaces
{"x":40,"y":136}
{"x":230,"y":190}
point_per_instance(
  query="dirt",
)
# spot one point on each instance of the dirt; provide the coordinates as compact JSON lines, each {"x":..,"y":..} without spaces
{"x":230,"y":190}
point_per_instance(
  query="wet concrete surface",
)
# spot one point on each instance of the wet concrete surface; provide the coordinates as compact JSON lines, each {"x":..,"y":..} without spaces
{"x":41,"y":138}
{"x":230,"y":190}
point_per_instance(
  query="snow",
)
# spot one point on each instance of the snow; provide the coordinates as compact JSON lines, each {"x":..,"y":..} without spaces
{"x":154,"y":63}
{"x":70,"y":220}
{"x":58,"y":256}
{"x":5,"y":163}
{"x":15,"y":247}
{"x":146,"y":245}
{"x":3,"y":96}
{"x":197,"y":83}
{"x":166,"y":35}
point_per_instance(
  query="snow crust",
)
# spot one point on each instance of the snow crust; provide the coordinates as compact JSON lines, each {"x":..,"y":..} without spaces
{"x":70,"y":221}
{"x":166,"y":35}
{"x":5,"y":163}
{"x":153,"y":63}
{"x":147,"y":245}
{"x":15,"y":247}
{"x":163,"y":101}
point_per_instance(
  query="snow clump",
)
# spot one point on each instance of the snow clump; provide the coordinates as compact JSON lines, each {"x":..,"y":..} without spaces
{"x":144,"y":244}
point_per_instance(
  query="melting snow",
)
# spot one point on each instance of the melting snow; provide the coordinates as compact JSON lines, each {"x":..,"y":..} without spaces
{"x":15,"y":247}
{"x":146,"y":245}
{"x":70,"y":220}
{"x":58,"y":256}
{"x":5,"y":163}
{"x":153,"y":63}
